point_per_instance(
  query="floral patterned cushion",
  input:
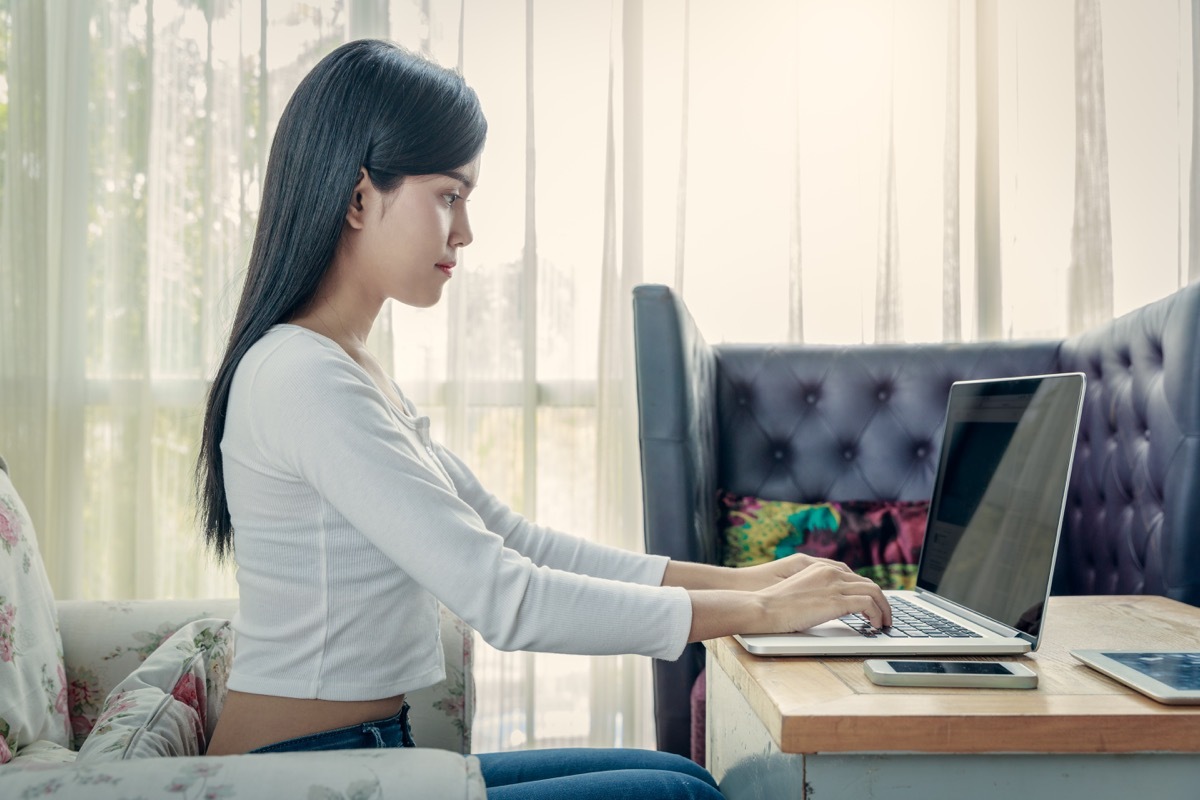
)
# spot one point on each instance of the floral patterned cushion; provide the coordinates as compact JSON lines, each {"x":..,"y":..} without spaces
{"x":33,"y":685}
{"x":881,"y":540}
{"x":170,"y":704}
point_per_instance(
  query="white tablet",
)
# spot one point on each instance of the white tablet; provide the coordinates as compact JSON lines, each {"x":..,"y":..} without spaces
{"x":1167,"y":676}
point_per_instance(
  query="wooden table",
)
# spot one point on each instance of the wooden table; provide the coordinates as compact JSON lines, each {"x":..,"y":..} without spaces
{"x":818,"y":729}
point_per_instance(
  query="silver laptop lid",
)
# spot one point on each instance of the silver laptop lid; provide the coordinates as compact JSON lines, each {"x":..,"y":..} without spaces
{"x":999,"y":496}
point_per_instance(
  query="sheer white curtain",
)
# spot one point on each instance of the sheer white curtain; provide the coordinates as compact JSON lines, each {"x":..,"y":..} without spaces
{"x":801,"y":170}
{"x":928,"y":169}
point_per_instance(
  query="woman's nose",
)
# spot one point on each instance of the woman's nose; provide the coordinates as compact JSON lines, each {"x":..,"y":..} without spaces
{"x":461,"y":234}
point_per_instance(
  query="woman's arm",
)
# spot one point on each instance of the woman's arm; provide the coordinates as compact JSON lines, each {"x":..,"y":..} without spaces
{"x":759,"y":599}
{"x":789,"y":594}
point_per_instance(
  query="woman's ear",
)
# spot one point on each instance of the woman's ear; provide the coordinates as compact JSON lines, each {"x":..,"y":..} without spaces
{"x":356,"y":212}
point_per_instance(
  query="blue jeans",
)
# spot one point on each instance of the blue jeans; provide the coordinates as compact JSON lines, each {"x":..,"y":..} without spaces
{"x":563,"y":774}
{"x":391,"y":732}
{"x":595,"y":774}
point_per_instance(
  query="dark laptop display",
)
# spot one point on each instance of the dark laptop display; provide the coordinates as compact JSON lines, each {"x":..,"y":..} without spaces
{"x":998,"y":498}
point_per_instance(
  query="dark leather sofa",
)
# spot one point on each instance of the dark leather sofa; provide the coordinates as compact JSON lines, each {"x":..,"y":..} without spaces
{"x":840,"y":423}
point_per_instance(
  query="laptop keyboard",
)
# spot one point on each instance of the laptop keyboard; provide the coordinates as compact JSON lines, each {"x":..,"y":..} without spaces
{"x":911,"y":622}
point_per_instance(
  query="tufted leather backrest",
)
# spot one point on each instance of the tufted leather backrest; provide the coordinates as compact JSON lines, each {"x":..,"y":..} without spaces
{"x":815,"y":424}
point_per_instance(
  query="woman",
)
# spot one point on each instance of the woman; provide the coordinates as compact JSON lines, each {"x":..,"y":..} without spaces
{"x":352,"y":524}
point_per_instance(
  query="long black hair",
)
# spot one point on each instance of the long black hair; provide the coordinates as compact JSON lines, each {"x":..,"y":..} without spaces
{"x":368,"y":104}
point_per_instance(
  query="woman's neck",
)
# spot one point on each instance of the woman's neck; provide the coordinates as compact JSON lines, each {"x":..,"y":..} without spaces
{"x":347,"y":323}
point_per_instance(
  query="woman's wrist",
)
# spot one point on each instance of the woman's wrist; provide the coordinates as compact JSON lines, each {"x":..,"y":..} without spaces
{"x":724,"y":612}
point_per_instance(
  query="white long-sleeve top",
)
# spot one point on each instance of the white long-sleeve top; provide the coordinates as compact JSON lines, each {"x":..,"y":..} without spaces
{"x":350,"y":525}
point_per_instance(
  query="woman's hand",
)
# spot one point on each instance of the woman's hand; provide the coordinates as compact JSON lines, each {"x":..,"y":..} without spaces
{"x":822,"y":591}
{"x":818,"y":592}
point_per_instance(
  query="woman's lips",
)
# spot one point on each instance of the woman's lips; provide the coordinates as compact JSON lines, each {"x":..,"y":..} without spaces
{"x":446,"y":268}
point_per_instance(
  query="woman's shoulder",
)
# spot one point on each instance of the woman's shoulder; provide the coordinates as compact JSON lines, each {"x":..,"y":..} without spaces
{"x":290,"y":354}
{"x":283,"y":345}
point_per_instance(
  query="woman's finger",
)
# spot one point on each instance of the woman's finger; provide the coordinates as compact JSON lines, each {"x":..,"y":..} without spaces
{"x":871,"y":603}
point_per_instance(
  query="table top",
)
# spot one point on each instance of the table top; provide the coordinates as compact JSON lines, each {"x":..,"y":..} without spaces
{"x":828,"y":705}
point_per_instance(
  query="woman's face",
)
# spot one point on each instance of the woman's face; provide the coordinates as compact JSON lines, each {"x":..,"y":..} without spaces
{"x":410,"y":238}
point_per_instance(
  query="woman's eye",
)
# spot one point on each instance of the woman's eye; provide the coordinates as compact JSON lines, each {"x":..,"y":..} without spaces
{"x":451,"y":198}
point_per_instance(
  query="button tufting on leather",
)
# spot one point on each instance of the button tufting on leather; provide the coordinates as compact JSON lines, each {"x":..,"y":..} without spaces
{"x":922,"y":451}
{"x":848,"y":454}
{"x":882,"y":394}
{"x":811,"y":398}
{"x":779,"y":454}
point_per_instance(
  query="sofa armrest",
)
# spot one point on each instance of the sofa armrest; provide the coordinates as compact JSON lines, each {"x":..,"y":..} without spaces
{"x":104,"y":641}
{"x":415,"y":772}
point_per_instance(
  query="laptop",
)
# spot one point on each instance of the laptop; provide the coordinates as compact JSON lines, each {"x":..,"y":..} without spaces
{"x":992,"y":534}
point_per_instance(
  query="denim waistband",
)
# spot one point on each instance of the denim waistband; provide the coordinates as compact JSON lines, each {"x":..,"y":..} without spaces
{"x":391,"y":732}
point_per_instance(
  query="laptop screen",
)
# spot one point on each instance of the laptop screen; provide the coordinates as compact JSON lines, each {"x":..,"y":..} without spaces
{"x":999,"y":494}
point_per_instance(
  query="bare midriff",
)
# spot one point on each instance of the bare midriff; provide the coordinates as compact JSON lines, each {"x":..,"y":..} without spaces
{"x":251,"y":721}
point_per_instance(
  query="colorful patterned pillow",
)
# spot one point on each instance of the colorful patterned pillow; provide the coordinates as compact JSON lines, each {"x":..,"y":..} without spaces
{"x":879,"y":540}
{"x":169,"y":705}
{"x":33,"y":684}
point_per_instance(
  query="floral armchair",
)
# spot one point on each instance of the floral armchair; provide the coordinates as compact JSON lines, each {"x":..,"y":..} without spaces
{"x":118,"y":699}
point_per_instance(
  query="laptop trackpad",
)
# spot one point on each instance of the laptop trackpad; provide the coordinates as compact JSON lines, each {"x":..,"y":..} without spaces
{"x":833,"y":630}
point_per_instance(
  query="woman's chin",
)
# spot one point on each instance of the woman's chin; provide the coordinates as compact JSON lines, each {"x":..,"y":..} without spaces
{"x":422,"y":300}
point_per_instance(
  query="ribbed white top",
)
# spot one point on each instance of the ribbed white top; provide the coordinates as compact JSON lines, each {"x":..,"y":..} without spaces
{"x":350,"y":525}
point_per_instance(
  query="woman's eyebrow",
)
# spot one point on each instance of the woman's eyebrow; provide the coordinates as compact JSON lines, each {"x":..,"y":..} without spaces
{"x":461,"y":178}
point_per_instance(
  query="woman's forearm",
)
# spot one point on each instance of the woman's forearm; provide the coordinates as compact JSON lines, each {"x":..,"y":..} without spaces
{"x":691,"y":575}
{"x":722,"y":612}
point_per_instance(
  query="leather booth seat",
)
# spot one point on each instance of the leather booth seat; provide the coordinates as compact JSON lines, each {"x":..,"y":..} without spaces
{"x":812,"y":424}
